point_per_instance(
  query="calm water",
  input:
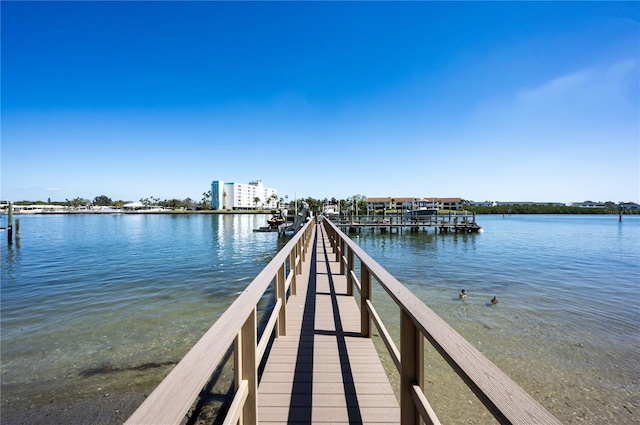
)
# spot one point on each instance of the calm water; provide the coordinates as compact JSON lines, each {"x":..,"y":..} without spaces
{"x":97,"y":309}
{"x":567,"y":327}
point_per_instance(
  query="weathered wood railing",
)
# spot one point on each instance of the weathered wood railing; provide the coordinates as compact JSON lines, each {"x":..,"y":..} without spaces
{"x":504,"y":399}
{"x":174,"y":396}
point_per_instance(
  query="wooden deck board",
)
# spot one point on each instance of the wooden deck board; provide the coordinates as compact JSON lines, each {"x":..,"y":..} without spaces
{"x":323,"y":371}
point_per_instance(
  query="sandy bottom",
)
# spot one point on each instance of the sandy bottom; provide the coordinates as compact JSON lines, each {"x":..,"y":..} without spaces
{"x":100,"y":409}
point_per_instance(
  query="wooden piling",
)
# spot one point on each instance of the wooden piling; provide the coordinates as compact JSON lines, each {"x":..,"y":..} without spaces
{"x":10,"y":226}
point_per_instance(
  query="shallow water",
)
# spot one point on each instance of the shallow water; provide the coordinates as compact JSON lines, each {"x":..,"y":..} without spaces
{"x":95,"y":305}
{"x":97,"y":309}
{"x":567,"y":326}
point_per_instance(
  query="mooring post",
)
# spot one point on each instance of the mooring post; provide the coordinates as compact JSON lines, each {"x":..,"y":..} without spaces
{"x":620,"y":214}
{"x":17,"y":230}
{"x":10,"y":225}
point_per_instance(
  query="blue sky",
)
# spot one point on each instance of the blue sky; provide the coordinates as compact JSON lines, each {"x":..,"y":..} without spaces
{"x":497,"y":101}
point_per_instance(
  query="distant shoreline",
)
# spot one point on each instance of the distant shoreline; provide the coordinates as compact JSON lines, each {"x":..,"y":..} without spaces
{"x":248,"y":212}
{"x":135,"y":212}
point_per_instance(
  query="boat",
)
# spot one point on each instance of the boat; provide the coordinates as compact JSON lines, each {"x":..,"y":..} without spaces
{"x":422,"y":208}
{"x":330,"y":211}
{"x":276,"y":220}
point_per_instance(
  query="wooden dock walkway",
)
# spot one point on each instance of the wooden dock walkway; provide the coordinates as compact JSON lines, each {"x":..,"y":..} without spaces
{"x":323,"y":370}
{"x":322,"y":366}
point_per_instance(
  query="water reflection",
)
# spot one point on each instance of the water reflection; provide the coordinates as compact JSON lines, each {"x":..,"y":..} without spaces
{"x":10,"y":259}
{"x":117,"y":290}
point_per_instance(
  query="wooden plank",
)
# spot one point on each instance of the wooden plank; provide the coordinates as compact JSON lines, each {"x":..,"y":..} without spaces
{"x":368,"y":400}
{"x":324,"y":371}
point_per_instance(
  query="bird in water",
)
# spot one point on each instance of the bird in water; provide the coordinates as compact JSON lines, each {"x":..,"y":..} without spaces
{"x":494,"y":300}
{"x":463,"y":294}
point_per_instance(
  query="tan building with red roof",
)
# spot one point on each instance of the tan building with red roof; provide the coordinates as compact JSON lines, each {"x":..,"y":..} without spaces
{"x":392,"y":203}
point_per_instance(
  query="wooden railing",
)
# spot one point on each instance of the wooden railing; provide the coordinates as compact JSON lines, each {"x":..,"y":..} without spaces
{"x":237,"y":327}
{"x":504,"y":399}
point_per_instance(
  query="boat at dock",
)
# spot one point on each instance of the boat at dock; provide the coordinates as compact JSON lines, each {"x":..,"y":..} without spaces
{"x":276,"y":220}
{"x":283,"y":222}
{"x":330,"y":211}
{"x":422,"y":208}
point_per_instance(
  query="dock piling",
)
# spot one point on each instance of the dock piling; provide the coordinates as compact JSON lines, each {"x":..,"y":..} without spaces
{"x":10,"y":226}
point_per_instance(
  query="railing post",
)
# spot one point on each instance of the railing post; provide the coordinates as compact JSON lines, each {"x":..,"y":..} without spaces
{"x":340,"y":253}
{"x":246,"y":369}
{"x":298,"y":260}
{"x":292,"y":270}
{"x":281,"y":294}
{"x":350,"y":264}
{"x":411,"y":368}
{"x":303,"y":248}
{"x":365,"y":295}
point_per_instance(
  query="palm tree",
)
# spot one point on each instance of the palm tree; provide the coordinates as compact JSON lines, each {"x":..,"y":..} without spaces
{"x":206,"y":199}
{"x":273,"y":197}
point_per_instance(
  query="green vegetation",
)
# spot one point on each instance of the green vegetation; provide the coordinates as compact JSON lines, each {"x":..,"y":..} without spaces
{"x":352,"y":203}
{"x":546,"y":209}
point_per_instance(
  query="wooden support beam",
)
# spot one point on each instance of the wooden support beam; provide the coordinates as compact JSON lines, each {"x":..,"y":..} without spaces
{"x":411,"y":370}
{"x":292,"y":272}
{"x":248,"y":368}
{"x":281,"y":295}
{"x":365,"y":296}
{"x":350,"y":267}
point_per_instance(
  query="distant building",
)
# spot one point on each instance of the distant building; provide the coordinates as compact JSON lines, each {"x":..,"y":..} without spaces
{"x":627,"y":206}
{"x":589,"y":204}
{"x":530,"y":203}
{"x":450,"y":203}
{"x":630,"y":206}
{"x":392,"y":203}
{"x":387,"y":203}
{"x":239,"y":196}
{"x":482,"y":203}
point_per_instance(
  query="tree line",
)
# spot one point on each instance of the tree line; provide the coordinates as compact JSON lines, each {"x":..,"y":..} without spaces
{"x":359,"y":201}
{"x":351,"y":203}
{"x":609,"y":208}
{"x":106,"y":201}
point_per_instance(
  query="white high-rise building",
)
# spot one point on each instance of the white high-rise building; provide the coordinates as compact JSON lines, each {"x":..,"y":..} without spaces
{"x":239,"y":196}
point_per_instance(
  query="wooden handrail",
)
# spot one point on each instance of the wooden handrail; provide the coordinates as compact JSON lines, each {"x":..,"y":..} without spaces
{"x":173,"y":397}
{"x":505,"y":400}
